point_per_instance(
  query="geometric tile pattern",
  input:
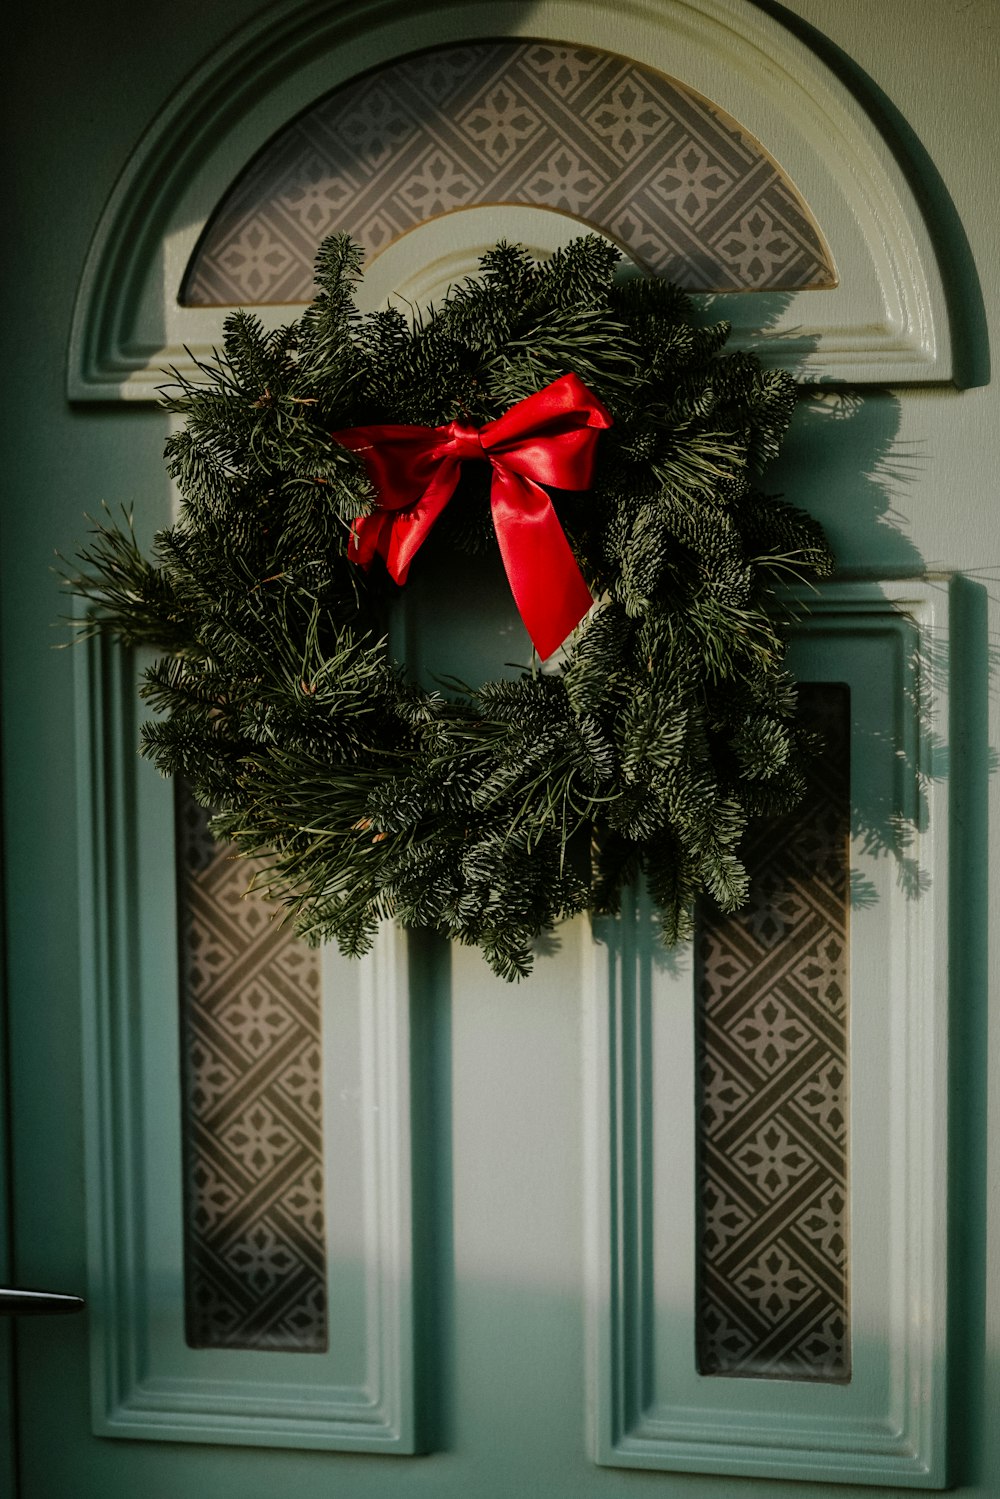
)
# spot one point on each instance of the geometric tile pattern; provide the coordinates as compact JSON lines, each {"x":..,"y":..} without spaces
{"x":620,"y":147}
{"x":255,"y":1249}
{"x":772,"y":1068}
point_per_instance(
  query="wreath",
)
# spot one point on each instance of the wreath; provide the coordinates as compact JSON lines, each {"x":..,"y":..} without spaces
{"x":621,"y":449}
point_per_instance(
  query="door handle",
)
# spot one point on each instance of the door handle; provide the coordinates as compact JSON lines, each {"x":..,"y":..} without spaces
{"x":17,"y":1302}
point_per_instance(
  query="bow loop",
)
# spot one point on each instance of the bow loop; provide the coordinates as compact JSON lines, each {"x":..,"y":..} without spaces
{"x":549,"y":438}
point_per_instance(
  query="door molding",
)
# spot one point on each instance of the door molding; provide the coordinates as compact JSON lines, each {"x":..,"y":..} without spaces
{"x":886,"y":322}
{"x":887,"y":1425}
{"x":145,"y":1380}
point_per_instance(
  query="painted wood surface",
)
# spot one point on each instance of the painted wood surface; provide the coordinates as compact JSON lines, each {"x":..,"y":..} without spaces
{"x":904,"y":479}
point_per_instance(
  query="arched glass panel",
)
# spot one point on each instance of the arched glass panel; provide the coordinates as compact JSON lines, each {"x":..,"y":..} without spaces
{"x":613,"y":144}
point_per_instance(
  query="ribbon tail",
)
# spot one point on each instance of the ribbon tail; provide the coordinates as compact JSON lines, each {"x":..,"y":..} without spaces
{"x":370,"y":536}
{"x":397,"y":535}
{"x":409,"y":529}
{"x":547,"y":584}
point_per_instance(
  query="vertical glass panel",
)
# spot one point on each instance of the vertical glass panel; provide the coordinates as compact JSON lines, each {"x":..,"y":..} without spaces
{"x":772,"y":1065}
{"x":255,"y":1257}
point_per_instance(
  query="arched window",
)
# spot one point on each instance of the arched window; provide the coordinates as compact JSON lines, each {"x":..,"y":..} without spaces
{"x":603,"y":141}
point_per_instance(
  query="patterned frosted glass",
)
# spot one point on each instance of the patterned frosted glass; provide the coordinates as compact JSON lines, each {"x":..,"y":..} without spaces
{"x":255,"y":1256}
{"x":622,"y":148}
{"x":772,"y":1058}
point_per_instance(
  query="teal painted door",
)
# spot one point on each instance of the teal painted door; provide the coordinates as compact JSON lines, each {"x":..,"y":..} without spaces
{"x":503,"y":1174}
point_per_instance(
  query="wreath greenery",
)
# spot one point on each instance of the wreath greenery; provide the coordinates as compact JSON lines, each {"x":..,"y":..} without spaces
{"x":487,"y":813}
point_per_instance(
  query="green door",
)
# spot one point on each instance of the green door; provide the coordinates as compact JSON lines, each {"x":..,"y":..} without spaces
{"x":503,"y":1236}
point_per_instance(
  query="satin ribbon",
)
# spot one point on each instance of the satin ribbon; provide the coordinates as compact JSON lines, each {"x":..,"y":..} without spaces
{"x":549,"y":438}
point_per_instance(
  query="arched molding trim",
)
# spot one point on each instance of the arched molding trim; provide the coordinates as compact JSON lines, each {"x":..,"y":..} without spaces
{"x":886,"y":322}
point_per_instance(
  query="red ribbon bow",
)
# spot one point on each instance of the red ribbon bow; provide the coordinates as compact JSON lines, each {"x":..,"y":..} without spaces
{"x":549,"y":438}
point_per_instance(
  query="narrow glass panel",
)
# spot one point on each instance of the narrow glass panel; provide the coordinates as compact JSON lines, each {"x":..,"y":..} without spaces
{"x":772,"y":1065}
{"x":255,"y":1257}
{"x":602,"y":139}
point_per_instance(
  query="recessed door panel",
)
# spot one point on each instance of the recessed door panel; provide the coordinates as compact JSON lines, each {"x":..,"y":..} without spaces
{"x":665,"y":1396}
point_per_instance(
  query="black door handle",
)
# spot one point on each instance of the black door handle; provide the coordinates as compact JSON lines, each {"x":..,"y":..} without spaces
{"x":21,"y":1303}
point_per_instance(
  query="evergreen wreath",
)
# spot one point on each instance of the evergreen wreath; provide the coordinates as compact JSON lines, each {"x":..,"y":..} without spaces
{"x":485,"y":813}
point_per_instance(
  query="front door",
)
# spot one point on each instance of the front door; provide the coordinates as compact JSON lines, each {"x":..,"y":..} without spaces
{"x":452,"y":1237}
